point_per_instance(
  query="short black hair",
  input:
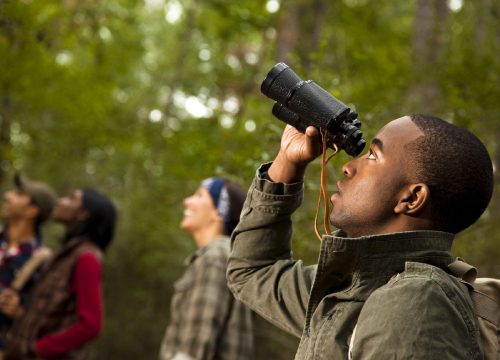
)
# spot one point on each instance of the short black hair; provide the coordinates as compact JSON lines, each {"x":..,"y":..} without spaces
{"x":456,"y":167}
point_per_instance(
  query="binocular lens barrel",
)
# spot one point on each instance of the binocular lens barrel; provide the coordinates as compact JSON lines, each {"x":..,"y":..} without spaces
{"x":279,"y":82}
{"x":304,"y":103}
{"x":288,"y":116}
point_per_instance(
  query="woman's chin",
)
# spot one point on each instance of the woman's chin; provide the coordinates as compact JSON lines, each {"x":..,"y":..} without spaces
{"x":184,"y":225}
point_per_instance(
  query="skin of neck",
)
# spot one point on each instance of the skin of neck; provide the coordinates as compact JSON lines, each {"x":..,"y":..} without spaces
{"x":415,"y":226}
{"x":400,"y":223}
{"x":208,"y":234}
{"x":20,"y":231}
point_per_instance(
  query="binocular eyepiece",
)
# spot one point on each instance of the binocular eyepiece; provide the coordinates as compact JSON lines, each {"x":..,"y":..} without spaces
{"x":304,"y":103}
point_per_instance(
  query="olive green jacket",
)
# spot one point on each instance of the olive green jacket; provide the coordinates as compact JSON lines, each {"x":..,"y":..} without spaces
{"x":389,"y":288}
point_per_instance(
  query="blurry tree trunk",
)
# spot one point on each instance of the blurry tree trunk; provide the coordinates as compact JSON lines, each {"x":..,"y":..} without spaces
{"x":307,"y":17}
{"x":495,"y":13}
{"x":181,"y":53}
{"x":287,"y":31}
{"x":483,"y":10}
{"x":5,"y":122}
{"x":487,"y":15}
{"x":5,"y":104}
{"x":493,"y":7}
{"x":315,"y":22}
{"x":429,"y":45}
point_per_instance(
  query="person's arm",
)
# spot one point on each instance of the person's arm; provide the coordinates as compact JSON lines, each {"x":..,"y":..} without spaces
{"x":89,"y":308}
{"x":415,"y":317}
{"x":261,"y":271}
{"x":207,"y":305}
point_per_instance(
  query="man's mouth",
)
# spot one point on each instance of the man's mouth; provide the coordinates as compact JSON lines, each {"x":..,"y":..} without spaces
{"x":336,"y":193}
{"x":334,"y":196}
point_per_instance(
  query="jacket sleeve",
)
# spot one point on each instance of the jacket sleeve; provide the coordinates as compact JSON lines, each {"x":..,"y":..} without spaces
{"x":261,"y":271}
{"x":415,"y":317}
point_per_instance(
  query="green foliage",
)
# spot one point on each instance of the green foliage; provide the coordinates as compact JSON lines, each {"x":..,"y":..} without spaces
{"x":143,"y":102}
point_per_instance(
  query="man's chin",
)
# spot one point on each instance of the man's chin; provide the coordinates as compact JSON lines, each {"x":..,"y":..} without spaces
{"x":333,"y":220}
{"x":336,"y":222}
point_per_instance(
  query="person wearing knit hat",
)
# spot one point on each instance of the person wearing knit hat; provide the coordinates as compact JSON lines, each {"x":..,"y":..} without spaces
{"x":206,"y":321}
{"x":25,"y":208}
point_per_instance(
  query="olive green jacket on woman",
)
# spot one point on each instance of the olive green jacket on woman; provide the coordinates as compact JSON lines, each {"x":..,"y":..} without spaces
{"x":376,"y":297}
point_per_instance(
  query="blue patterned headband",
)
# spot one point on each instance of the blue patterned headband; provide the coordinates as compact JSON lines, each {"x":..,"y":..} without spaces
{"x":218,"y":191}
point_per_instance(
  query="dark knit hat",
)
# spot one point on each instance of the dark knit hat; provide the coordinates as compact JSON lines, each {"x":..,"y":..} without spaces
{"x":41,"y":195}
{"x":228,"y":199}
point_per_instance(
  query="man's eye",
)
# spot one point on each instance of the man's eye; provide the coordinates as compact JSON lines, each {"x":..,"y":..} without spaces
{"x":371,"y":155}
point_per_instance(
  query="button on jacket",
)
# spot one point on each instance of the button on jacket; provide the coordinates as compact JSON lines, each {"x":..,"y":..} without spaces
{"x":374,"y":297}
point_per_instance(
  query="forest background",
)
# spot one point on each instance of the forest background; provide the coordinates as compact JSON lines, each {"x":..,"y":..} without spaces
{"x":143,"y":99}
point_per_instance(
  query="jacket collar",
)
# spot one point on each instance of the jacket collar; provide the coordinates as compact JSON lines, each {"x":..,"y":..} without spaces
{"x":343,"y":254}
{"x":354,"y":267}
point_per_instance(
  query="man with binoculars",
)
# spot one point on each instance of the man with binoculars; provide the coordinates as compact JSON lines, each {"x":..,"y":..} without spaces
{"x":380,"y":289}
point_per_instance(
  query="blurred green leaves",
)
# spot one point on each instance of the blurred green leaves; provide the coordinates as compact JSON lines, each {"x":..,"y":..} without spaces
{"x":142,"y":100}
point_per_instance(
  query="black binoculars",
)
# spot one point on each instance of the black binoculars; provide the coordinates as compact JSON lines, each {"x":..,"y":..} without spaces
{"x":304,"y":103}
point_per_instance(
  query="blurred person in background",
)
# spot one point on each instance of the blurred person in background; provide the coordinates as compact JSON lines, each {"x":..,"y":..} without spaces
{"x":25,"y":209}
{"x":64,"y":310}
{"x":206,"y":321}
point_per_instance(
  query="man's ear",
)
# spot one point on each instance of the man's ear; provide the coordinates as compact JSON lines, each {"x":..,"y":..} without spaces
{"x":413,"y":199}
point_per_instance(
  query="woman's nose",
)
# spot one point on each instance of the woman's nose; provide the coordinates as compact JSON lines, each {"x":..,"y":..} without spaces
{"x":186,"y":200}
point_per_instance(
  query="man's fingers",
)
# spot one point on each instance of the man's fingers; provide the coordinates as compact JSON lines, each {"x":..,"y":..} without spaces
{"x":311,"y":131}
{"x":312,"y":140}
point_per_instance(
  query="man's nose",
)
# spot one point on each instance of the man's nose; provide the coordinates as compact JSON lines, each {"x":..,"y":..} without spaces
{"x":349,"y":168}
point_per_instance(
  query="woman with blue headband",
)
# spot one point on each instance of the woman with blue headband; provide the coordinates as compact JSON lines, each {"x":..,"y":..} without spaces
{"x":206,"y":321}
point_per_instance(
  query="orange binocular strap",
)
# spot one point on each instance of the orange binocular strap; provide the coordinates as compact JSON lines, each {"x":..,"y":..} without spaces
{"x":323,"y":194}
